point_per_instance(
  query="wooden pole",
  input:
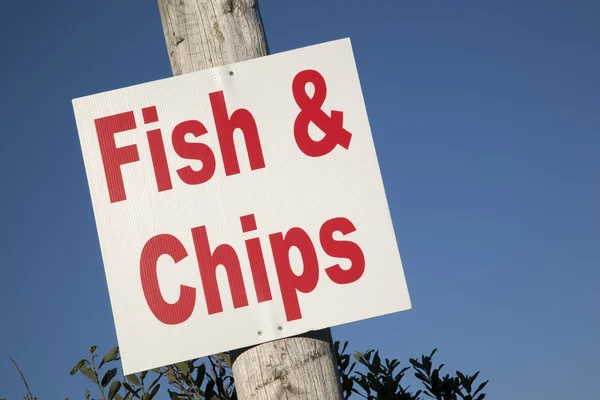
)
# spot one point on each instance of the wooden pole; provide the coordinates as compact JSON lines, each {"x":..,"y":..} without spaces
{"x":202,"y":34}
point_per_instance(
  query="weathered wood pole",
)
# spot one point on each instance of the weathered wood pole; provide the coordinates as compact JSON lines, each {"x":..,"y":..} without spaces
{"x":202,"y":34}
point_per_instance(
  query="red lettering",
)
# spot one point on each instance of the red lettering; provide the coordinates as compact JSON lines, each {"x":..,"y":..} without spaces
{"x":208,"y":262}
{"x":157,"y":151}
{"x":311,"y":112}
{"x":167,"y":313}
{"x":159,"y":160}
{"x":257,"y":261}
{"x":193,"y":151}
{"x":112,"y":156}
{"x":226,"y":126}
{"x":342,"y":249}
{"x":289,"y":282}
{"x":150,"y":114}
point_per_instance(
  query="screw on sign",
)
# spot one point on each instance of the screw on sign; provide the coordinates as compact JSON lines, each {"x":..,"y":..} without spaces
{"x":209,"y":258}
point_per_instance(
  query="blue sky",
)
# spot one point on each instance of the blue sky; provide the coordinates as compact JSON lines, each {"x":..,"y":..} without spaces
{"x":486,"y":120}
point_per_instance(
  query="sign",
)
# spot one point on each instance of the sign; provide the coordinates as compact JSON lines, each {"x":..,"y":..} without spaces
{"x":239,"y":205}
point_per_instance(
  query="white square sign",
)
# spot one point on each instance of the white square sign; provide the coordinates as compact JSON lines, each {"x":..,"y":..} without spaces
{"x":239,"y":205}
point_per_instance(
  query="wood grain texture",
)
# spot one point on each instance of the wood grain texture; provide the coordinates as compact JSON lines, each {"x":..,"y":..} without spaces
{"x":202,"y":34}
{"x":301,"y":367}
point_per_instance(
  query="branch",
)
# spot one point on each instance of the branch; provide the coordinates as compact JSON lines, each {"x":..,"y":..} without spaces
{"x":22,"y":377}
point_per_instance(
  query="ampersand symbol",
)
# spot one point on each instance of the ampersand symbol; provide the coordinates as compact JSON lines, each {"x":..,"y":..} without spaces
{"x":311,"y":111}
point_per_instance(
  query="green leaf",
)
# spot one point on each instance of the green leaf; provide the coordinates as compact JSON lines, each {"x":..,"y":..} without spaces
{"x":347,"y":385}
{"x":110,"y":356}
{"x":171,"y":376}
{"x":376,"y":361}
{"x":111,"y":373}
{"x":209,"y":392}
{"x":114,"y":388}
{"x":118,"y":397}
{"x":183,"y":367}
{"x":200,"y":374}
{"x":345,"y":361}
{"x":131,"y":390}
{"x":480,"y":388}
{"x":134,"y":379}
{"x":364,"y":385}
{"x":345,"y":345}
{"x":155,"y":381}
{"x":174,"y":396}
{"x":359,"y":357}
{"x":89,"y":373}
{"x":154,"y":391}
{"x":93,"y":348}
{"x":77,"y":366}
{"x":421,"y":377}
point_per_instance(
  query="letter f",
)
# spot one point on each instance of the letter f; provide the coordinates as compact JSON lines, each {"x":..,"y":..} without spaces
{"x":112,"y":156}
